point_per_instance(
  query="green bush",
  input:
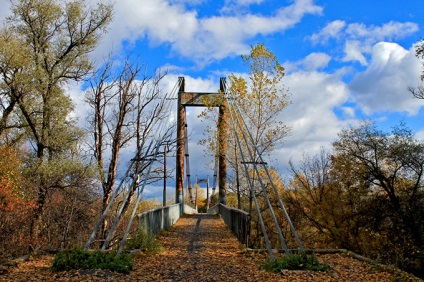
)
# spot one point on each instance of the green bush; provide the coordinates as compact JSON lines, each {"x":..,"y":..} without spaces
{"x":300,"y":261}
{"x":79,"y":259}
{"x":144,"y":242}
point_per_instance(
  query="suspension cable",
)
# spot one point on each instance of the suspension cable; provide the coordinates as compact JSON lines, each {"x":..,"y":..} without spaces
{"x":187,"y":168}
{"x":160,"y":136}
{"x":267,"y":242}
{"x":235,"y":105}
{"x":263,"y":188}
{"x":215,"y":171}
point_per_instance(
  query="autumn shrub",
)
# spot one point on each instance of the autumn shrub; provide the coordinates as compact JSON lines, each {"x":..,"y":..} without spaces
{"x":70,"y":216}
{"x":365,"y":196}
{"x":16,"y":206}
{"x":300,"y":261}
{"x":78,"y":258}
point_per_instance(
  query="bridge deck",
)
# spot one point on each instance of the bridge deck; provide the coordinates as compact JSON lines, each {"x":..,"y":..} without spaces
{"x":200,"y":248}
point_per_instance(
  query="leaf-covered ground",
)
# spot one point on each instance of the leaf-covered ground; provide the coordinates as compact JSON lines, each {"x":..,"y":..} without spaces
{"x":201,"y":248}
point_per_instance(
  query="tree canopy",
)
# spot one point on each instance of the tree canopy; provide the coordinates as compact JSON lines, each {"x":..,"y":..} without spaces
{"x":45,"y":45}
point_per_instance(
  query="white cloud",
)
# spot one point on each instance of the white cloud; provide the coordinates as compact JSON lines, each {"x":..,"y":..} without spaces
{"x":419,"y":135}
{"x":238,"y":6}
{"x":354,"y":52}
{"x":383,"y":85}
{"x":389,"y":31}
{"x":5,"y":9}
{"x":74,"y":91}
{"x":202,"y":39}
{"x":331,"y":30}
{"x":348,"y":112}
{"x":360,"y":38}
{"x":316,"y":61}
{"x":311,"y":116}
{"x":189,"y":2}
{"x":242,"y":2}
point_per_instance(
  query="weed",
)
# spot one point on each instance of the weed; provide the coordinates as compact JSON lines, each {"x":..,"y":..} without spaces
{"x":78,"y":258}
{"x":300,"y":261}
{"x":144,"y":242}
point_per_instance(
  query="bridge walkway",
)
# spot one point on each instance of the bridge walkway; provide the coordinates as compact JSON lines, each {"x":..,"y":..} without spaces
{"x":201,"y":248}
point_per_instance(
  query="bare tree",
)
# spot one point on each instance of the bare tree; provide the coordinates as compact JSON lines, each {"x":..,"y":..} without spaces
{"x":125,"y":105}
{"x":418,"y":91}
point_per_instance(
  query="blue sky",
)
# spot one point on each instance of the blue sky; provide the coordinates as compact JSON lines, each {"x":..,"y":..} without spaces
{"x":345,"y":60}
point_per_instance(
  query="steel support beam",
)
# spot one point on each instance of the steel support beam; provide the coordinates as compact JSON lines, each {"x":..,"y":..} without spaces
{"x":222,"y":147}
{"x":181,"y":117}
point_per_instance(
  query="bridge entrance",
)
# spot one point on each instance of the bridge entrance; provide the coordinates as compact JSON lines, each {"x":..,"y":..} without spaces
{"x":200,"y":99}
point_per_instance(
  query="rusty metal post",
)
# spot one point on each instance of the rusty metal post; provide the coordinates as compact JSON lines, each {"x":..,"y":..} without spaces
{"x":164,"y":175}
{"x":222,"y":147}
{"x":181,"y":117}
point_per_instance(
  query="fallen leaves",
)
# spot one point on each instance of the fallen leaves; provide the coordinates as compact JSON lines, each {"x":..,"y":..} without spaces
{"x":202,"y":248}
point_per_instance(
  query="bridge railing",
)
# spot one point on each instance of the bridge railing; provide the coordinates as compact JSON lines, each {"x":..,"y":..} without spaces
{"x":155,"y":220}
{"x":237,"y":220}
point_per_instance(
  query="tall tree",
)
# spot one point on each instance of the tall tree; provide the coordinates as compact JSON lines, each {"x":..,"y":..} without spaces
{"x":261,"y":100}
{"x":325,"y":193}
{"x":366,"y":196}
{"x":53,"y":41}
{"x":391,"y":165}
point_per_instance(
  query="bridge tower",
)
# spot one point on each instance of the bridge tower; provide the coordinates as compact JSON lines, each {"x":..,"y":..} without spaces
{"x":201,"y":99}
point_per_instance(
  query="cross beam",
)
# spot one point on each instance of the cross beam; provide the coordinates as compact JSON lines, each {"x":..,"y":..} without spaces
{"x":201,"y":99}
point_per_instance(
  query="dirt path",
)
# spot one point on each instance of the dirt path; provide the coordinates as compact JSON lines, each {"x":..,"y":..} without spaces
{"x":201,"y":248}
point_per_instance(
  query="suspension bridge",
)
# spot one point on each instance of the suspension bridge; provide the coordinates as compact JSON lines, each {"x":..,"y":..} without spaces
{"x":200,"y":247}
{"x":231,"y":122}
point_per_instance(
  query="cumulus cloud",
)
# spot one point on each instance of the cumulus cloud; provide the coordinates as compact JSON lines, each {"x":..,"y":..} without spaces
{"x":316,"y":61}
{"x":354,"y":52}
{"x":383,"y":86}
{"x":331,"y":30}
{"x":359,"y":38}
{"x":312,"y":62}
{"x":311,"y":115}
{"x":389,"y":31}
{"x":201,"y":39}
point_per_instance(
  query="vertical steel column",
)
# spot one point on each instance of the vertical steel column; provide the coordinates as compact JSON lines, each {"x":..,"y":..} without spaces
{"x":164,"y":175}
{"x":181,"y":117}
{"x":222,"y":146}
{"x":207,"y":194}
{"x":187,"y":166}
{"x":196,"y":186}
